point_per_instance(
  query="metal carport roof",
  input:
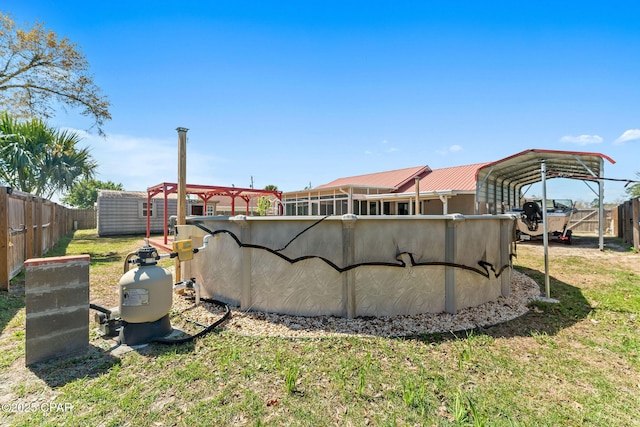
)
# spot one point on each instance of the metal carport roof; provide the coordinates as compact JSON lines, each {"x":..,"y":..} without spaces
{"x":499,"y":183}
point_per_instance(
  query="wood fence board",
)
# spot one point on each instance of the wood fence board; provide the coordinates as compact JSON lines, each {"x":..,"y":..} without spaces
{"x":30,"y":227}
{"x":4,"y":240}
{"x":628,"y":222}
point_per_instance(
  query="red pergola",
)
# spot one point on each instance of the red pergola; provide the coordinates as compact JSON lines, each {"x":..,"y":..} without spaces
{"x":205,"y":193}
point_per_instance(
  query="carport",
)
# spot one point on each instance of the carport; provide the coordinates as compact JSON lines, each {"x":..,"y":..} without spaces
{"x":499,"y":184}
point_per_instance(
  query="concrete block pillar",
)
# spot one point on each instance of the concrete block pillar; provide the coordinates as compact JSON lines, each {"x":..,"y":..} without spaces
{"x":57,"y":306}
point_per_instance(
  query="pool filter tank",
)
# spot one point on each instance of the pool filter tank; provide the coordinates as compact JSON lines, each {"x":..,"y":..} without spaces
{"x":146,"y":296}
{"x":146,"y":293}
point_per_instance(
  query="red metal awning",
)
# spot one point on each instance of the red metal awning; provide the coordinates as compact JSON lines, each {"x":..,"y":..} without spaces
{"x":205,"y":193}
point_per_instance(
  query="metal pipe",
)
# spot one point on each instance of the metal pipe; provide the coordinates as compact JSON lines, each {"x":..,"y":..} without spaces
{"x":205,"y":243}
{"x":182,"y":187}
{"x":182,"y":174}
{"x":184,"y":285}
{"x":545,"y":235}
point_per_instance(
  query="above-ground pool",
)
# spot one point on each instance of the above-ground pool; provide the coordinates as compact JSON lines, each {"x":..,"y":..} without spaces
{"x":353,"y":266}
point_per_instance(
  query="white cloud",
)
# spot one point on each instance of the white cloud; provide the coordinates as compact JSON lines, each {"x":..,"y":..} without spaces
{"x":138,"y":162}
{"x":628,"y":135}
{"x":451,"y":149}
{"x":377,"y":151}
{"x":390,"y":149}
{"x":582,"y":139}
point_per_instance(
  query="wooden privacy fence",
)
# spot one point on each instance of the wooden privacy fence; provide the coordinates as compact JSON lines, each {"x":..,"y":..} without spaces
{"x":587,"y":221}
{"x":628,"y":225}
{"x":84,"y":219}
{"x":30,"y":226}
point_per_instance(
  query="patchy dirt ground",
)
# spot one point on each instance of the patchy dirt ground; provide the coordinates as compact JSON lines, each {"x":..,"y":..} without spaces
{"x":587,"y":246}
{"x":17,"y":382}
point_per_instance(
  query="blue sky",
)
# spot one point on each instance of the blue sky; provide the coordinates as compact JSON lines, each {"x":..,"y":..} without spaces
{"x":292,"y":93}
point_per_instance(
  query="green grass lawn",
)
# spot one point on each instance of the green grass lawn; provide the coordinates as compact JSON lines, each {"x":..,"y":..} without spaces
{"x":575,"y":363}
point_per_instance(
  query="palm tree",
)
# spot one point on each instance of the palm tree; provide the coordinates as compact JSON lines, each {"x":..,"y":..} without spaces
{"x":17,"y":153}
{"x":65,"y":164}
{"x":38,"y":159}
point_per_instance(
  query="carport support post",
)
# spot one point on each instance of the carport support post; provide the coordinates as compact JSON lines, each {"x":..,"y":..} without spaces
{"x":545,"y":238}
{"x":545,"y":233}
{"x":601,"y":207}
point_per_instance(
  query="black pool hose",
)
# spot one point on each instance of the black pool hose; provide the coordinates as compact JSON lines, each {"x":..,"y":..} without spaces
{"x":211,"y":327}
{"x":100,"y":309}
{"x":206,"y":330}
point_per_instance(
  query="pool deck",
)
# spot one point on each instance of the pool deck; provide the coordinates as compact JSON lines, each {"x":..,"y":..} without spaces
{"x":159,"y":244}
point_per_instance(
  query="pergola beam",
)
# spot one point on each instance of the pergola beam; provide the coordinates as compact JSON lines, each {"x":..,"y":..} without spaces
{"x":205,"y":193}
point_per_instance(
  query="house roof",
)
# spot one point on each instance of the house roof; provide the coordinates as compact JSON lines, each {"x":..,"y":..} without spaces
{"x":391,"y":180}
{"x":453,"y":179}
{"x":457,"y":178}
{"x":118,"y":194}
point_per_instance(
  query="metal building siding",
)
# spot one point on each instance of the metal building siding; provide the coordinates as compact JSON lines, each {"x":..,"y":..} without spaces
{"x":120,"y":215}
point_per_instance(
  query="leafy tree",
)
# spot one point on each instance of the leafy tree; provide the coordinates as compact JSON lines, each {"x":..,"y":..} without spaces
{"x":583,"y":204}
{"x":264,"y":202}
{"x":633,"y":190}
{"x":39,"y":70}
{"x":38,"y":159}
{"x":84,"y":193}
